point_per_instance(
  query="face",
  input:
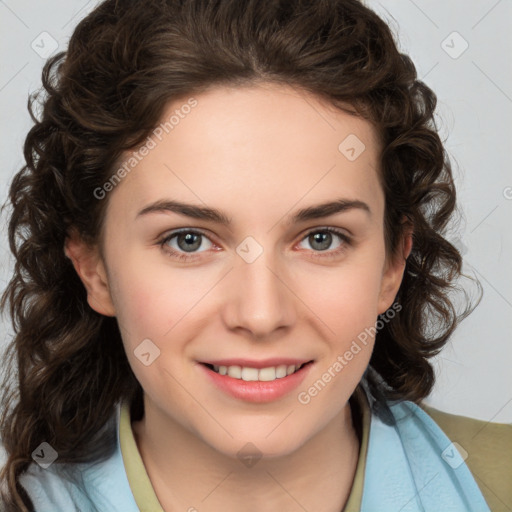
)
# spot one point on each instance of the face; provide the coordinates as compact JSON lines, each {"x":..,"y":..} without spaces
{"x":266,"y":286}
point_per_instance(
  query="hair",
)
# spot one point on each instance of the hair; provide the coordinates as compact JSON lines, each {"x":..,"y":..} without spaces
{"x":65,"y":367}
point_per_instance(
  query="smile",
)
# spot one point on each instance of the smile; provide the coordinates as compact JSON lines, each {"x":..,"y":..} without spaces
{"x":264,"y":384}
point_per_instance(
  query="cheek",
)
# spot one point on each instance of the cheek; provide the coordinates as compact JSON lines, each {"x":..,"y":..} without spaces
{"x":347,"y":306}
{"x":156,"y":301}
{"x":146,"y":309}
{"x":345,"y":299}
{"x":137,"y":297}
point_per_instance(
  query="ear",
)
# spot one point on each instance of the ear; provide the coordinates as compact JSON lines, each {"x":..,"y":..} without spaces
{"x":394,"y":270}
{"x":90,"y":268}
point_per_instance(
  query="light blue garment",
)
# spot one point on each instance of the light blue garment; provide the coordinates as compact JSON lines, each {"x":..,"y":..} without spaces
{"x":411,"y":465}
{"x":92,"y":487}
{"x":405,"y":471}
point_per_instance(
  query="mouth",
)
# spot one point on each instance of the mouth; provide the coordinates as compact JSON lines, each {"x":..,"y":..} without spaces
{"x":256,"y":381}
{"x":252,"y":374}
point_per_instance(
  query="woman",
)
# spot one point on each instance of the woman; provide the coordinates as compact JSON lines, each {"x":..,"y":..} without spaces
{"x":229,"y":253}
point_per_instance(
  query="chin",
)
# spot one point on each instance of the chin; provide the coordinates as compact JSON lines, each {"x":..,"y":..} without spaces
{"x":245,"y":445}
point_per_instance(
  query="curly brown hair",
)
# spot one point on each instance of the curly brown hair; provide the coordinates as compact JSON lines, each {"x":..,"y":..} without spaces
{"x":66,"y":366}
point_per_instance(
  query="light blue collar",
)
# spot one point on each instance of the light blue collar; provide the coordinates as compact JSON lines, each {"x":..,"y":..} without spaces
{"x":412,"y":466}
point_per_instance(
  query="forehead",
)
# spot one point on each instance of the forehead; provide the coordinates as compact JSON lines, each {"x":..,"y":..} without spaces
{"x":256,"y":146}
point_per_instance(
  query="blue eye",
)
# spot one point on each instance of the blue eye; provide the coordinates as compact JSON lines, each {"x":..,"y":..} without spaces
{"x":188,"y":241}
{"x":325,"y":241}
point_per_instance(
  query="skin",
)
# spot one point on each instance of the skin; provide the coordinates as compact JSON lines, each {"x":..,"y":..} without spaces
{"x":259,"y":153}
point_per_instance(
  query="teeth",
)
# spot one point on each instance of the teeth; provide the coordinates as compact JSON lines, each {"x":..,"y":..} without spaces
{"x":235,"y":372}
{"x":249,"y":374}
{"x":266,"y":374}
{"x":257,"y":374}
{"x":281,"y":371}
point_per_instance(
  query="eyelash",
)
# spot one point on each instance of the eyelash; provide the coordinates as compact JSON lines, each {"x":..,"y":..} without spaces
{"x":316,"y":254}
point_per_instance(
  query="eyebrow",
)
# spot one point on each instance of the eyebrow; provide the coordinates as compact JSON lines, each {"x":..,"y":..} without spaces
{"x":214,"y":215}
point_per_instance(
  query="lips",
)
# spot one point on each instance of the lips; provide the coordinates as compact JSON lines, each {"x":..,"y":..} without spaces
{"x":256,"y":383}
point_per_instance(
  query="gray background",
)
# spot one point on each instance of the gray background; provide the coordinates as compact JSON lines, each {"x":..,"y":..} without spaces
{"x":463,"y":51}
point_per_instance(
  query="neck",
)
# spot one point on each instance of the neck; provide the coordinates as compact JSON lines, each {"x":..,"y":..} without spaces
{"x":186,"y":472}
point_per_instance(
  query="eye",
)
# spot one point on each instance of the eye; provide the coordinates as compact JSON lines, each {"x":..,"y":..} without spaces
{"x":322,"y":238}
{"x":187,"y":240}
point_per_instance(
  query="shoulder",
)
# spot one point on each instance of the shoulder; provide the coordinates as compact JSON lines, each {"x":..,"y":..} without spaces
{"x":86,"y":486}
{"x":96,"y":482}
{"x":487,"y":451}
{"x":55,"y":488}
{"x":49,"y":489}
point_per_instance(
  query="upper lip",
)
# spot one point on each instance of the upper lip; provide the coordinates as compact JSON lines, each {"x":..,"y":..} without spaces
{"x":264,"y":363}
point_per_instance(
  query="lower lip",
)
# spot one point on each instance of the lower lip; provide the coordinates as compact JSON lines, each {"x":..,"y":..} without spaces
{"x":257,"y":391}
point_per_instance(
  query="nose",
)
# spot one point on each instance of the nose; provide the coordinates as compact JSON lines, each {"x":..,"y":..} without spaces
{"x":260,"y":299}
